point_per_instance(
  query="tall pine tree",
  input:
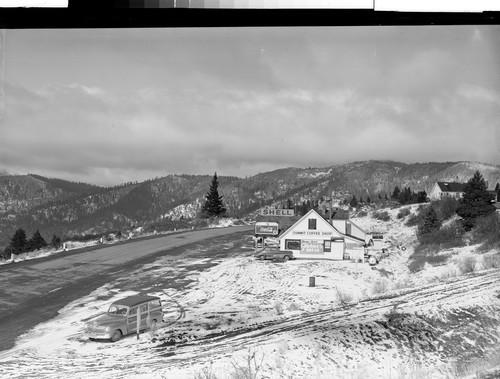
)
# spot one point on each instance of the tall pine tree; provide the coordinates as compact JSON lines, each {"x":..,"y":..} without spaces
{"x":18,"y":242}
{"x":213,"y":207}
{"x":36,"y":242}
{"x":475,"y":202}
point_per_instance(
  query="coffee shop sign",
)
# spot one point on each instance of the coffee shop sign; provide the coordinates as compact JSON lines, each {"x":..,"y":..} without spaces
{"x":277,"y":212}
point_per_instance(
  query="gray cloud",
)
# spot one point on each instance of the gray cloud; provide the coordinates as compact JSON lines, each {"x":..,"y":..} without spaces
{"x":245,"y":101}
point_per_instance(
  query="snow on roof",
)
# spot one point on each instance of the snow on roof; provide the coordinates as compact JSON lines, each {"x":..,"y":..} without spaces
{"x":135,"y":300}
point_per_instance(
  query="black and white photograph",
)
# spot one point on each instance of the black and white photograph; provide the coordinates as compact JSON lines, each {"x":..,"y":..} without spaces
{"x":250,"y":202}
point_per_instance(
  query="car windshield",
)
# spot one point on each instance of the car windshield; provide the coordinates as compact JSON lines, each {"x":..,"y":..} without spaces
{"x":120,"y":310}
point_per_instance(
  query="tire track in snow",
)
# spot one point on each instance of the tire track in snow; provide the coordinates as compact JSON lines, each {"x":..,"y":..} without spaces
{"x":323,"y":320}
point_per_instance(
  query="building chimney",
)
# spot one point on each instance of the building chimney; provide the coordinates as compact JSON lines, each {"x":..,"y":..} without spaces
{"x":331,"y":201}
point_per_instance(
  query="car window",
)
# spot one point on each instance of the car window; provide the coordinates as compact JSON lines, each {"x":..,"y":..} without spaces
{"x":133,"y":311}
{"x":144,"y":307}
{"x":155,"y":304}
{"x":120,"y":310}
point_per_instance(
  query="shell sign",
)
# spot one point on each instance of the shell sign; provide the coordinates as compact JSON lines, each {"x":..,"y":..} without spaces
{"x":277,"y":212}
{"x":266,"y":228}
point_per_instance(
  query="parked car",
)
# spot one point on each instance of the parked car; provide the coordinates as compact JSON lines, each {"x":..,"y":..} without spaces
{"x":283,"y":255}
{"x":121,"y":318}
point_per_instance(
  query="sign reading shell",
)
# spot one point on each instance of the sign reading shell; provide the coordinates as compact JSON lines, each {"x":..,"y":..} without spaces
{"x":277,"y":212}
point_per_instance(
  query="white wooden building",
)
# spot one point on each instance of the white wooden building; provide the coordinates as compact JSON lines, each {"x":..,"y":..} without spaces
{"x":313,"y":236}
{"x":446,"y":189}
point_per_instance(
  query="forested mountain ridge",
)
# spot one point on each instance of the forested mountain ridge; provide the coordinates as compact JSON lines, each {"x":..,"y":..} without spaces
{"x":56,"y":206}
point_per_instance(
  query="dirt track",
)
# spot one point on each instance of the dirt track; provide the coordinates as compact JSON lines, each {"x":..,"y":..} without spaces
{"x":34,"y":291}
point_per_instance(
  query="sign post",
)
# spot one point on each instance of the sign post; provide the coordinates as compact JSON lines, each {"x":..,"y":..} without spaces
{"x":138,"y":320}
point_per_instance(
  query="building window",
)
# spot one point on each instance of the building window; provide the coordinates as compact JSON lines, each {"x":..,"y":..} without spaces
{"x":292,"y":244}
{"x":312,"y":223}
{"x":327,"y":248}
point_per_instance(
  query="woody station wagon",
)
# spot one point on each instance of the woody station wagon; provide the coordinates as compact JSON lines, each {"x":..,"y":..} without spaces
{"x":121,"y":318}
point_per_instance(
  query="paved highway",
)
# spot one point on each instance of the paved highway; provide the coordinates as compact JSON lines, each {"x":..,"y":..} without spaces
{"x":33,"y":291}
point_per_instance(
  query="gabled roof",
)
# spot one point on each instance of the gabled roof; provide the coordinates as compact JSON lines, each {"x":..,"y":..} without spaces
{"x":451,"y":186}
{"x":307,"y":215}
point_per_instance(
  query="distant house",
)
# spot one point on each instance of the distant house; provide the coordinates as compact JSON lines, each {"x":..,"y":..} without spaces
{"x":312,"y":236}
{"x":447,"y":189}
{"x":453,"y":189}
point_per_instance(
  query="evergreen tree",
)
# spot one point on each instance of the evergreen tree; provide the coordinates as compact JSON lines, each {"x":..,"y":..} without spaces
{"x":213,"y":206}
{"x":407,"y":196}
{"x":421,"y":197}
{"x":395,"y":193}
{"x":354,"y":202}
{"x":18,"y":242}
{"x":56,"y":241}
{"x":430,"y":223}
{"x":289,"y":203}
{"x":36,"y":242}
{"x":475,"y":202}
{"x":385,"y":197}
{"x":368,"y":200}
{"x":497,"y":188}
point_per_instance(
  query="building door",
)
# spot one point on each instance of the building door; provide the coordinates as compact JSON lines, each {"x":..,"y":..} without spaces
{"x":337,"y":250}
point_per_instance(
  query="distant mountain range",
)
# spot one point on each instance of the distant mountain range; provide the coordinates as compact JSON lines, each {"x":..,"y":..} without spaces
{"x":67,"y":208}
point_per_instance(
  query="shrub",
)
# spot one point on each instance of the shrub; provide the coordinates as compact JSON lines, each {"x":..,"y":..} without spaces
{"x":403,"y":213}
{"x":344,"y":297}
{"x":467,"y":264}
{"x":446,"y":237}
{"x":205,"y":373}
{"x":446,"y":208}
{"x":380,"y":286}
{"x":423,"y":255}
{"x":430,"y":223}
{"x":491,"y":261}
{"x":394,"y":317}
{"x":362,"y":214}
{"x":383,"y":216}
{"x":5,"y":253}
{"x":250,"y":368}
{"x":279,"y":307}
{"x":414,"y":220}
{"x":487,"y":231}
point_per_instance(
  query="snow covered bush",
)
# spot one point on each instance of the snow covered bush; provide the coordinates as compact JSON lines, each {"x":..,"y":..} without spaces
{"x":487,"y":232}
{"x":383,"y":216}
{"x":380,"y":286}
{"x":467,"y":264}
{"x":279,"y":307}
{"x":491,"y":260}
{"x":249,"y":368}
{"x":403,"y":213}
{"x":344,"y":297}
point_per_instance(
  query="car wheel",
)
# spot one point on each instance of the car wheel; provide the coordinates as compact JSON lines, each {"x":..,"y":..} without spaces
{"x":262,"y":257}
{"x":286,"y":258}
{"x":117,"y":335}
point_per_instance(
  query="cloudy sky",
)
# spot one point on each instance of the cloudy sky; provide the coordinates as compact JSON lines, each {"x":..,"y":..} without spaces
{"x":110,"y":106}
